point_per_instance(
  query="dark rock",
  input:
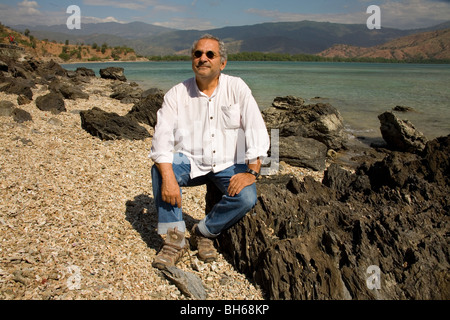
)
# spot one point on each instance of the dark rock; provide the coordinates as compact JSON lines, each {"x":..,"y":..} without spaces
{"x":20,"y":115}
{"x":21,"y":100}
{"x":303,"y":152}
{"x":111,"y":126}
{"x":67,"y":90}
{"x":19,"y":87}
{"x":401,"y":135}
{"x":151,"y":91}
{"x":337,"y":178}
{"x":85,"y":72}
{"x":437,"y":160}
{"x":287,"y":102}
{"x":126,"y":93}
{"x":188,"y":283}
{"x":317,"y":240}
{"x":52,"y":102}
{"x":321,"y":122}
{"x":146,"y":109}
{"x":6,"y":108}
{"x":50,"y":70}
{"x":402,"y":109}
{"x":3,"y":66}
{"x":113,"y":73}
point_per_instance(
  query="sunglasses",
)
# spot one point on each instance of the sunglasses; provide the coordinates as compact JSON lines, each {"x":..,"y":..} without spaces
{"x":209,"y":54}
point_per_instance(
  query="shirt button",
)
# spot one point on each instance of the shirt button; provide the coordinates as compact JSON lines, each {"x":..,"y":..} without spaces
{"x":211,"y":118}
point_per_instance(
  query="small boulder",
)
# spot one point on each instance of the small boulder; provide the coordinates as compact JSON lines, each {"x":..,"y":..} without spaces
{"x":401,"y":135}
{"x":146,"y":109}
{"x":21,"y":100}
{"x":111,"y":126}
{"x":68,"y":91}
{"x":6,"y":108}
{"x":113,"y":73}
{"x":20,"y":115}
{"x":126,"y":93}
{"x":85,"y":72}
{"x":19,"y":86}
{"x":52,"y":102}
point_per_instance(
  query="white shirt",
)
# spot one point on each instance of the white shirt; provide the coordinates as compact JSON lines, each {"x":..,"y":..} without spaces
{"x":213,"y":132}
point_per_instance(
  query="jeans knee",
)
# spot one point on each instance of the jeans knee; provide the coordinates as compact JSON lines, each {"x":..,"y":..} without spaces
{"x":248,"y":198}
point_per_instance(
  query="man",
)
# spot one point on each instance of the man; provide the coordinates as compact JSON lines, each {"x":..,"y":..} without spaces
{"x":209,"y":129}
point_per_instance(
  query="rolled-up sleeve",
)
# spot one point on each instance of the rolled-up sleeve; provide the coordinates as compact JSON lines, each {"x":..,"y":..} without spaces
{"x":163,"y":139}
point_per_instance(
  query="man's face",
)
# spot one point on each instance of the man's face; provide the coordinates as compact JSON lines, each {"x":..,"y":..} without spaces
{"x":206,"y":61}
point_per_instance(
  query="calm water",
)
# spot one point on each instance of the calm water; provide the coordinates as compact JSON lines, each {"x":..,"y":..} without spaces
{"x":360,"y":91}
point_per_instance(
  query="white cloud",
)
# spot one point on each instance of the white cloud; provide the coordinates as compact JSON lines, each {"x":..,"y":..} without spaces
{"x":28,"y":8}
{"x":27,"y":12}
{"x":186,"y":24}
{"x":86,"y":19}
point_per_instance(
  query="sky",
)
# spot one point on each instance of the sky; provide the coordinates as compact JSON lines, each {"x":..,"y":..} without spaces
{"x":210,"y":14}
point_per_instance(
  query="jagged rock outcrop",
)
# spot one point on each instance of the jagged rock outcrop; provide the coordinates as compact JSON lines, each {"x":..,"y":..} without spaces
{"x":317,"y":240}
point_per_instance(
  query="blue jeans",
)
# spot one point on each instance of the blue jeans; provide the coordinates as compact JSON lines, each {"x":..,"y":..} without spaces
{"x":224,"y":214}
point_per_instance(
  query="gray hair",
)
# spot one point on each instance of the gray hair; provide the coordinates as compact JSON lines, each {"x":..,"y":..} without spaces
{"x":222,"y":49}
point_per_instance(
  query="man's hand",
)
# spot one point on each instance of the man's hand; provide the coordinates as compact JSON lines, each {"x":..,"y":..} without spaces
{"x":170,"y":190}
{"x":242,"y":180}
{"x":239,"y":182}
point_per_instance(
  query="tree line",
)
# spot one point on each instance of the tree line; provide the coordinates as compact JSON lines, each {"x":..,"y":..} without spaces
{"x":261,"y":56}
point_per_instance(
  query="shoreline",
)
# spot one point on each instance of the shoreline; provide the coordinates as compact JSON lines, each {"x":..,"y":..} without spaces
{"x":358,"y":112}
{"x":91,"y":62}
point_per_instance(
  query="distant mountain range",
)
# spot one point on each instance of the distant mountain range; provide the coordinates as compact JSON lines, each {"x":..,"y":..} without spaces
{"x":432,"y":45}
{"x":283,"y":37}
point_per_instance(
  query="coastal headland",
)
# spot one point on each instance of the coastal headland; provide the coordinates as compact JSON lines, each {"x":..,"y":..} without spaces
{"x":78,"y":222}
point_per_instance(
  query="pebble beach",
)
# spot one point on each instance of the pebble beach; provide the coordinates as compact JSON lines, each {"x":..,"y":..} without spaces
{"x":77,"y":220}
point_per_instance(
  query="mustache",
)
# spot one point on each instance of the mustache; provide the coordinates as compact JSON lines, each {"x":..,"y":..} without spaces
{"x":203,"y":64}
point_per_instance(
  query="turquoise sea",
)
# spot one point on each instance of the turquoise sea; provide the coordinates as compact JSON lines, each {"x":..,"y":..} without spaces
{"x":360,"y":91}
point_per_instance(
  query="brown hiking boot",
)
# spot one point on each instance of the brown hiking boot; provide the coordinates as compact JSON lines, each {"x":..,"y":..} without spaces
{"x":206,"y":250}
{"x":172,"y":250}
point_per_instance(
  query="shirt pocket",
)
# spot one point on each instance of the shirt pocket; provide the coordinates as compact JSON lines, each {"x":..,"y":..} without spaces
{"x":231,"y":116}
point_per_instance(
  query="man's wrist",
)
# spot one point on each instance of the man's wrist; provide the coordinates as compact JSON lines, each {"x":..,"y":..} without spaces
{"x":253,"y":172}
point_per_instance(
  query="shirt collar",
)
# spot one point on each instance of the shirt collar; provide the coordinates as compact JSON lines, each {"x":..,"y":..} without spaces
{"x":215,"y":91}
